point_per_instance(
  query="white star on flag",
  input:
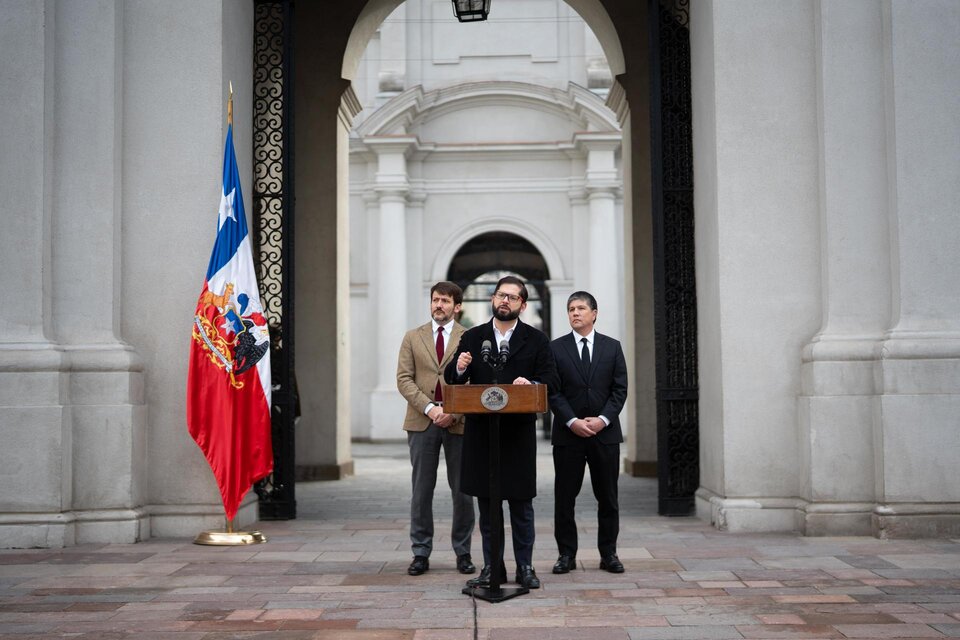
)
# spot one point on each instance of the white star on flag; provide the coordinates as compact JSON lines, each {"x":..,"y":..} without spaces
{"x":226,"y":208}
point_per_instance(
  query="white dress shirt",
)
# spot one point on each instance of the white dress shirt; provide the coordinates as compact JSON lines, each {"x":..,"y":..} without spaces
{"x":579,"y":347}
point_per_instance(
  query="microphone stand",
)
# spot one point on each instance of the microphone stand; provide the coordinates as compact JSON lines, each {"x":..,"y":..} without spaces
{"x":495,"y":593}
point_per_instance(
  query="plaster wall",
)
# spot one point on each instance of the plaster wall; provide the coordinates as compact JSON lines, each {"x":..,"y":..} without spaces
{"x":540,"y":41}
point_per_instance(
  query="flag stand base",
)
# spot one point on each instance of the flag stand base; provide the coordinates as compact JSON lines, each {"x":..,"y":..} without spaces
{"x":229,"y":538}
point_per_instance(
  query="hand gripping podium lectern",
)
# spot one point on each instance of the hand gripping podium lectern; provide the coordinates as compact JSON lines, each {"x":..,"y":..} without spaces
{"x":492,"y":400}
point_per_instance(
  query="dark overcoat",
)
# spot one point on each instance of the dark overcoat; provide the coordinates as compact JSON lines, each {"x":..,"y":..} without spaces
{"x":600,"y":389}
{"x":530,"y":357}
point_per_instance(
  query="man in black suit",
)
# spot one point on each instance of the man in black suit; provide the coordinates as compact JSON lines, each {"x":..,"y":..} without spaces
{"x":586,"y":430}
{"x":529,"y":362}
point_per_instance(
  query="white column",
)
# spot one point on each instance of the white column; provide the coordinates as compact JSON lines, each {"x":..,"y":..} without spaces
{"x":35,"y":429}
{"x":917,"y":440}
{"x":108,"y":414}
{"x":757,"y":236}
{"x":836,"y":406}
{"x":387,"y":406}
{"x":560,"y":290}
{"x":604,"y":244}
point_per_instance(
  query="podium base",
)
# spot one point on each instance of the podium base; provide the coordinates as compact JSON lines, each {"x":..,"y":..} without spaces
{"x":491,"y":595}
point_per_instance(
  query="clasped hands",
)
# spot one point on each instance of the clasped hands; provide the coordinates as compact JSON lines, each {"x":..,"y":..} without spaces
{"x":587,"y":427}
{"x":439,"y":418}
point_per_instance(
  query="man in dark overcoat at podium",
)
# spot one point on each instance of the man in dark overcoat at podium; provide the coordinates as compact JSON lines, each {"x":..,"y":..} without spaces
{"x":530,"y":361}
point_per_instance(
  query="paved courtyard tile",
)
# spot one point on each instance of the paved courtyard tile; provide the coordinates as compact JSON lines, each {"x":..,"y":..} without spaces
{"x":339,"y":572}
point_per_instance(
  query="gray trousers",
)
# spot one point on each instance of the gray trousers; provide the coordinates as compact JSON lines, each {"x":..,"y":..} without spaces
{"x":425,"y":458}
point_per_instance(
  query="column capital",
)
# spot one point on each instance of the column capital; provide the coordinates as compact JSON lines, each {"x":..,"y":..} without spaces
{"x":391,"y":182}
{"x":597,"y":140}
{"x":401,"y":145}
{"x":603,"y":188}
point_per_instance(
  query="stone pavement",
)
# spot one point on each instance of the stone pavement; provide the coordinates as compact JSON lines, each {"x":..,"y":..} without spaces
{"x":340,"y":572}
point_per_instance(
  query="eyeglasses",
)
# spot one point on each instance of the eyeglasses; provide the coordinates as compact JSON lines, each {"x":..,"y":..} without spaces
{"x":512,"y":297}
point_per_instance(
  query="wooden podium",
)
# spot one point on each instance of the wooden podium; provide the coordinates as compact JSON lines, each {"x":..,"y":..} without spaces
{"x":492,"y":400}
{"x":521,"y":398}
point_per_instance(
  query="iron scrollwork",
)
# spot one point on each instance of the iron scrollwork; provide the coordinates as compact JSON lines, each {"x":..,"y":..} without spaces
{"x":675,"y":305}
{"x":273,"y":237}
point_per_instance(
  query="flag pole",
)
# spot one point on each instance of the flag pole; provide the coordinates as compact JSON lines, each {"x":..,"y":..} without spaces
{"x":229,"y":537}
{"x":230,"y":105}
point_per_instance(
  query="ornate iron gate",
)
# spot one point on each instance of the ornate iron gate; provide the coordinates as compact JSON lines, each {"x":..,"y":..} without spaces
{"x":273,"y":205}
{"x":675,"y":295}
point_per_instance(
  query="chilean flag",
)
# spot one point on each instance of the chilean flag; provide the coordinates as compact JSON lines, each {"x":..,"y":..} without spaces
{"x":228,"y":383}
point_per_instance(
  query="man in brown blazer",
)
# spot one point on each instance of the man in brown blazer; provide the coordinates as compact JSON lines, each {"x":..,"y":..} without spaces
{"x":424,"y":353}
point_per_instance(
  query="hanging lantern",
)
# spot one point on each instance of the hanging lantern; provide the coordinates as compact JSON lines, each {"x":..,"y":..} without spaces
{"x":471,"y":10}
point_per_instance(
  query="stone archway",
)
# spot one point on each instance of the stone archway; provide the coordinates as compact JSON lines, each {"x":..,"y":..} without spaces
{"x":328,"y":38}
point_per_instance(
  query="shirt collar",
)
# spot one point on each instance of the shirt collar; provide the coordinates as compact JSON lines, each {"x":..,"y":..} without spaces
{"x":508,"y":333}
{"x":448,"y":328}
{"x":590,"y":337}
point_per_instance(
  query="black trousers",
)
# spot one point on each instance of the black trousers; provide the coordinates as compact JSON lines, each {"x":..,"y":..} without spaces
{"x":569,"y":462}
{"x":521,"y":525}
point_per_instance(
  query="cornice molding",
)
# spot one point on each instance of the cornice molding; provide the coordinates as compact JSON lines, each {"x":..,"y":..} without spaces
{"x":405,"y":111}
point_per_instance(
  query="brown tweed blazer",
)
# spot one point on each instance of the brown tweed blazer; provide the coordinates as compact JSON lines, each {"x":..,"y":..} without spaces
{"x":418,"y":372}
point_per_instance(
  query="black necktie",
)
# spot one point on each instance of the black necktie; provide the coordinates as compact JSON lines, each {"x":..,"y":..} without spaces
{"x":585,"y":353}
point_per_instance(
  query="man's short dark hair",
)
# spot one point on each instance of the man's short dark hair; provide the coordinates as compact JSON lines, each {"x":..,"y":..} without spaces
{"x":450,"y":289}
{"x":586,"y":297}
{"x":513,"y":280}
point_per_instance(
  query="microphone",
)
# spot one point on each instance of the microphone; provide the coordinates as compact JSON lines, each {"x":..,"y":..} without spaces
{"x":485,"y":349}
{"x":504,"y":351}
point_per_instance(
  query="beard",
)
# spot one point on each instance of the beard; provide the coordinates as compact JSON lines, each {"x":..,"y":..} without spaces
{"x":505,"y":315}
{"x":441,"y":317}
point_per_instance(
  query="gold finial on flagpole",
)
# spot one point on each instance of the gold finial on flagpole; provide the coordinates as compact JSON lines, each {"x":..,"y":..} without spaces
{"x":229,"y":537}
{"x":230,"y":105}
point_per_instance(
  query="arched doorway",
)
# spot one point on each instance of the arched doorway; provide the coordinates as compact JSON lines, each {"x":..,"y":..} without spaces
{"x":484,"y":259}
{"x":649,"y":54}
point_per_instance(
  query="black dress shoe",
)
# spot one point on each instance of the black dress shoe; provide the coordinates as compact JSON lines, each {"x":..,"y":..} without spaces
{"x":465,"y":564}
{"x":483,"y":580}
{"x":611,"y":563}
{"x":565,"y":564}
{"x":419,"y":566}
{"x":527,"y":577}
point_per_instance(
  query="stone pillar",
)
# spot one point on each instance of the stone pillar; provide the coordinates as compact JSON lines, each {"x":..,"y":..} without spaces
{"x":837,"y":403}
{"x":757,"y":236}
{"x":917,"y":441}
{"x":604,"y":245}
{"x":36,"y":457}
{"x":106,"y":379}
{"x":560,"y":290}
{"x":640,"y":448}
{"x":389,"y":280}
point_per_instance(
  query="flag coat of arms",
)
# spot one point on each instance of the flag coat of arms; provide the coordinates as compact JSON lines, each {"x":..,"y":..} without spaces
{"x":228,"y":383}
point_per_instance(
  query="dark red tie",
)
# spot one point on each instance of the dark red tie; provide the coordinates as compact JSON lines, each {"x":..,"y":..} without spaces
{"x":438,"y":393}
